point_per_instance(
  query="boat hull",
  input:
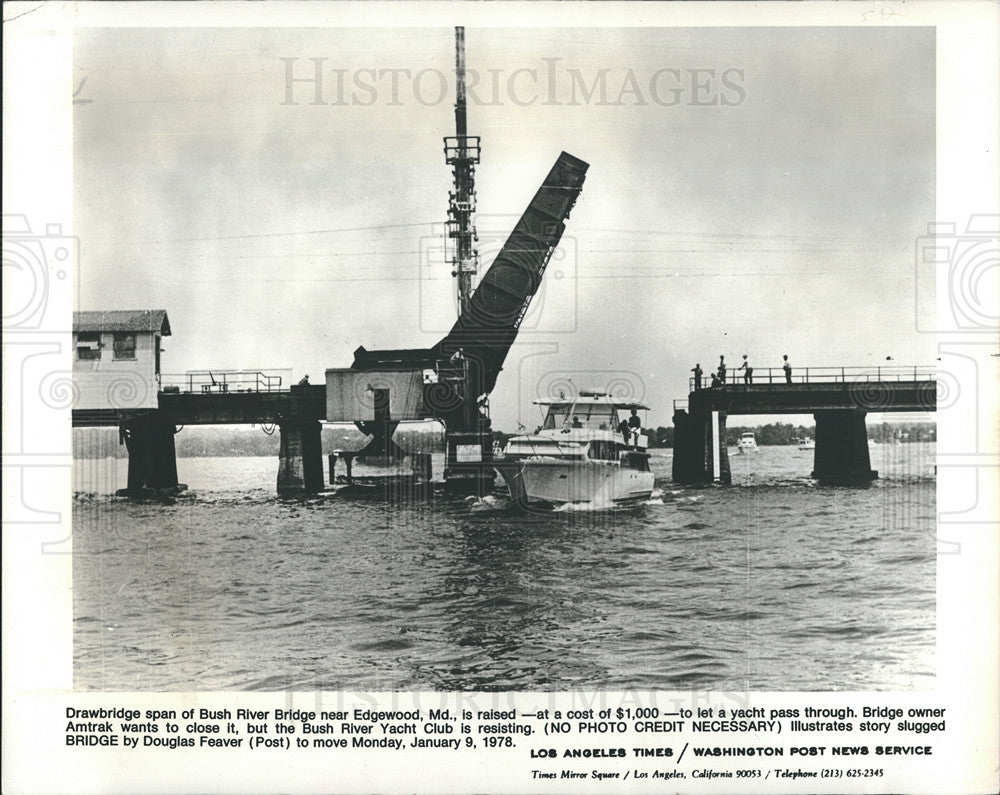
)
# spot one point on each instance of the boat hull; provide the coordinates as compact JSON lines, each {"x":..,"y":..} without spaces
{"x":555,"y":482}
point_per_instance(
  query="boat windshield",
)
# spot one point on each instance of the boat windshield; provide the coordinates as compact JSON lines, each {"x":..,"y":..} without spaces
{"x":564,"y":415}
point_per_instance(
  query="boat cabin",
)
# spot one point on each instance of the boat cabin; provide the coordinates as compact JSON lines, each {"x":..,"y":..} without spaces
{"x":596,"y":411}
{"x":584,"y":429}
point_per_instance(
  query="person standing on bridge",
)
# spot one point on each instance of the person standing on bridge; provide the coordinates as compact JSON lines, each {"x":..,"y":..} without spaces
{"x":787,"y":367}
{"x":697,"y":376}
{"x":748,"y":375}
{"x":721,"y":372}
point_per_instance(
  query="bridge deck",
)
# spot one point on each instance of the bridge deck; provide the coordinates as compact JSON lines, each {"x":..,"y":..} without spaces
{"x":805,"y":398}
{"x":220,"y":408}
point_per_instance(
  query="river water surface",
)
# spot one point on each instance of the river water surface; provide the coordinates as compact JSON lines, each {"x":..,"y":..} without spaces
{"x":773,"y":583}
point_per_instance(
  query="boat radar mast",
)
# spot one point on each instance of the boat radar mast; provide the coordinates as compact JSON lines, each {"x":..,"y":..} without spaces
{"x":461,"y":152}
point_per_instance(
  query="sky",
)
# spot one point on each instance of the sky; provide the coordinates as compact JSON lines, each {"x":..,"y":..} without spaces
{"x":751,"y":191}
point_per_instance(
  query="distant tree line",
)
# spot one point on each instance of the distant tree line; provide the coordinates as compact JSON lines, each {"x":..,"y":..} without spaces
{"x":889,"y":432}
{"x":786,"y":433}
{"x":196,"y":441}
{"x":219,"y":441}
{"x":772,"y":433}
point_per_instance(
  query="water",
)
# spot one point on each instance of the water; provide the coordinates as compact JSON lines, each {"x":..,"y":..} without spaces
{"x":771,"y":584}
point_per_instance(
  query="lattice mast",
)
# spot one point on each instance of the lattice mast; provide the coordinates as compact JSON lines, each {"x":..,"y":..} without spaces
{"x":461,"y":152}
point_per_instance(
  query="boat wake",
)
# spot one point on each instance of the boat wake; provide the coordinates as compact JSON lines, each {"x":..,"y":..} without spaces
{"x":488,"y":503}
{"x":656,"y":498}
{"x":595,"y":505}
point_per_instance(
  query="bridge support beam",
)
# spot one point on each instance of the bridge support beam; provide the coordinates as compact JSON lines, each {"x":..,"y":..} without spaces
{"x":152,"y":458}
{"x":381,"y":450}
{"x":700,"y":442}
{"x":300,"y":457}
{"x":841,"y":457}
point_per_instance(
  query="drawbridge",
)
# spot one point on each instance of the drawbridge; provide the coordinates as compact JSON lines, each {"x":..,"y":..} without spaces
{"x":451,"y":381}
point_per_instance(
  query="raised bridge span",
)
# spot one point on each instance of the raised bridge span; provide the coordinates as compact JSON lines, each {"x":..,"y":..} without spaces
{"x":449,"y":382}
{"x":839,"y":398}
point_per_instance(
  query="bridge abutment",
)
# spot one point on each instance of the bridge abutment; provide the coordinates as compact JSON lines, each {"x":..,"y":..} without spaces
{"x":152,"y":457}
{"x":300,"y":457}
{"x":841,"y":457}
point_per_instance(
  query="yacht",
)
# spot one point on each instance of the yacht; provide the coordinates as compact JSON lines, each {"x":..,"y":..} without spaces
{"x":584,"y":451}
{"x":747,"y":443}
{"x":805,"y":443}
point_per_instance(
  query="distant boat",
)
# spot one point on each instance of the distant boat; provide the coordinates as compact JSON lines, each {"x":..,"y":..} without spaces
{"x":807,"y":444}
{"x":747,"y":443}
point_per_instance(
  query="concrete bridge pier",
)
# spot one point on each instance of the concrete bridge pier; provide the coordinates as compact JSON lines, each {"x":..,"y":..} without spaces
{"x":468,"y":467}
{"x":841,"y":457}
{"x":152,"y":457}
{"x":700,"y":451}
{"x":716,"y":449}
{"x":300,"y":457}
{"x":689,"y":449}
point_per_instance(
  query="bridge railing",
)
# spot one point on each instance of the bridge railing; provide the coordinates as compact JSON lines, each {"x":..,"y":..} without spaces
{"x":221,"y":381}
{"x":735,"y":377}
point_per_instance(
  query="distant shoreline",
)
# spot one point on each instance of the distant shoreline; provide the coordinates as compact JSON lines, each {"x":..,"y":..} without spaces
{"x":238,"y":442}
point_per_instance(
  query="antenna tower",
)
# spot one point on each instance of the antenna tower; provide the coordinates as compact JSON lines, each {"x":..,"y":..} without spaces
{"x":461,"y":152}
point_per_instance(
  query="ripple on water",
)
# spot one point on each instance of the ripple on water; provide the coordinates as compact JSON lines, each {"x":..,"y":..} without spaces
{"x":389,"y":644}
{"x":231,"y":588}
